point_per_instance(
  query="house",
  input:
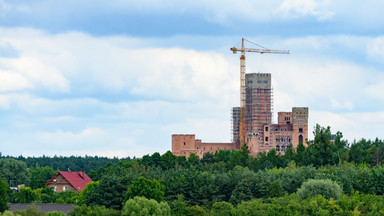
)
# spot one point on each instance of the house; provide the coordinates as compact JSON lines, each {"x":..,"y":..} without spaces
{"x":69,"y":181}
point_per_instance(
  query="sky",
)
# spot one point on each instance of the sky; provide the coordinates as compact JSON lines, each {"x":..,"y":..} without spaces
{"x":118,"y":78}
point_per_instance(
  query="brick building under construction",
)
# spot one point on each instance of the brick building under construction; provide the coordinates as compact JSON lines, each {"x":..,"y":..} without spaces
{"x":261,"y":134}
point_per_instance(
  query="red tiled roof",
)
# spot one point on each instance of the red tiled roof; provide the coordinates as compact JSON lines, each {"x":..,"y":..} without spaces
{"x":78,"y":180}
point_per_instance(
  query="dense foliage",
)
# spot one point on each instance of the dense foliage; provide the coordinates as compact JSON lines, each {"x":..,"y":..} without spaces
{"x":325,"y":187}
{"x":4,"y":188}
{"x":322,"y":177}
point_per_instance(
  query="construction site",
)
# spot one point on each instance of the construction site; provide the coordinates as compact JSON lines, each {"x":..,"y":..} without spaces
{"x":252,"y":120}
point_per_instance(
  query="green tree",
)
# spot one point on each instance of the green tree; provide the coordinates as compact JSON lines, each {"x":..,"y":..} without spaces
{"x":325,"y":187}
{"x":194,"y":159}
{"x":242,"y":192}
{"x":88,"y":195}
{"x":275,"y":189}
{"x":203,"y":189}
{"x":83,"y":210}
{"x":4,"y":188}
{"x":55,"y":213}
{"x":150,"y":189}
{"x":321,"y":151}
{"x":107,"y":193}
{"x":14,"y":172}
{"x":178,"y":207}
{"x":40,"y":176}
{"x":195,"y":210}
{"x":167,"y":160}
{"x":221,"y":209}
{"x":145,"y":207}
{"x":223,"y":155}
{"x":208,"y":158}
{"x":25,"y":195}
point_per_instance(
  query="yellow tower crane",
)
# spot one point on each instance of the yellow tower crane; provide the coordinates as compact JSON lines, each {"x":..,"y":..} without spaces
{"x":242,"y":78}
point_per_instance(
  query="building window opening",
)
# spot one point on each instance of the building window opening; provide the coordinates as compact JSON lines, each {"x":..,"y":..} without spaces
{"x":266,"y":139}
{"x":300,"y":130}
{"x":301,"y":138}
{"x":184,"y":143}
{"x":266,"y":128}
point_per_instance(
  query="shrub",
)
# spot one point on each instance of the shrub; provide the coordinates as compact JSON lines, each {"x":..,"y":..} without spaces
{"x":325,"y":187}
{"x":221,"y":209}
{"x":55,"y":213}
{"x":195,"y":210}
{"x":143,"y":206}
{"x":83,"y":210}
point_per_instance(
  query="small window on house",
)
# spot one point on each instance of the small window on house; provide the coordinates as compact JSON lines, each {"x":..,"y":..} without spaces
{"x":184,"y":143}
{"x":54,"y":180}
{"x":65,"y":188}
{"x":266,"y":128}
{"x":266,"y":139}
{"x":300,"y":130}
{"x":54,"y":188}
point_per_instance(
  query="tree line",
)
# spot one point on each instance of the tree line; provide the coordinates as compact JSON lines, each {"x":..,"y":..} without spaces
{"x":229,"y":182}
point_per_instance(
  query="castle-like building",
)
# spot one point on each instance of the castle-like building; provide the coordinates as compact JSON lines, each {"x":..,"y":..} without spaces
{"x":261,"y":134}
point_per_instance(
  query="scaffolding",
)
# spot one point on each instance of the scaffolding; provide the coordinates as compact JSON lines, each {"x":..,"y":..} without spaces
{"x":235,"y":127}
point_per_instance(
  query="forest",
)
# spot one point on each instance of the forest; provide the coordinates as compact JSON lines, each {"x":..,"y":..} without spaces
{"x":323,"y":177}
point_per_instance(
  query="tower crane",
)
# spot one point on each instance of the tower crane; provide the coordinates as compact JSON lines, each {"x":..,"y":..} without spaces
{"x":262,"y":50}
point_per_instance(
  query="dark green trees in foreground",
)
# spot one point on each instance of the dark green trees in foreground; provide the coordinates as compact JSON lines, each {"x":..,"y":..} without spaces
{"x":4,"y":188}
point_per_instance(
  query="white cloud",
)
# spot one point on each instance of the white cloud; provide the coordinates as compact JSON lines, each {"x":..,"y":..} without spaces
{"x":27,"y":72}
{"x":353,"y":125}
{"x":10,"y":81}
{"x":375,"y":49}
{"x":302,"y":8}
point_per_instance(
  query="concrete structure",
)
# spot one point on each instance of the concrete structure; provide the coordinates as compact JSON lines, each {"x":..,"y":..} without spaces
{"x":261,"y":134}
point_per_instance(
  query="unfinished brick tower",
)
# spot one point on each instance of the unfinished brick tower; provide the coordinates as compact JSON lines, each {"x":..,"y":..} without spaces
{"x":252,"y":121}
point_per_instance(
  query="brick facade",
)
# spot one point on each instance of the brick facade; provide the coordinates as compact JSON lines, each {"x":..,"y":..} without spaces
{"x":261,"y":134}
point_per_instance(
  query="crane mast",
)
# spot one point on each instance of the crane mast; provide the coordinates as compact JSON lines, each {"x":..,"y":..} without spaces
{"x":242,"y":79}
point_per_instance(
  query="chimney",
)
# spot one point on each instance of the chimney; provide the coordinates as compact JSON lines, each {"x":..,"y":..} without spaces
{"x":81,"y":174}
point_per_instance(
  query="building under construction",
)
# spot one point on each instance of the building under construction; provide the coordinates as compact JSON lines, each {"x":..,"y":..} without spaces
{"x":252,"y":121}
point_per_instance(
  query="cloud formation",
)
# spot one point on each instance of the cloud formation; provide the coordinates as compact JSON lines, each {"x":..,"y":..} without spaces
{"x":118,"y":78}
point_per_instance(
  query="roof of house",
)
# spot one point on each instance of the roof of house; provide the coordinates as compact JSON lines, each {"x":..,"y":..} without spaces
{"x":78,"y":180}
{"x":45,"y":207}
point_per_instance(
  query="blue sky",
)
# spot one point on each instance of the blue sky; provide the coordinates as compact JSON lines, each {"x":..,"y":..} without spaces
{"x":118,"y":78}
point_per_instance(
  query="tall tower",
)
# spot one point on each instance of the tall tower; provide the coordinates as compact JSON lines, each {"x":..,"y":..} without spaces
{"x":300,"y":125}
{"x":258,"y":103}
{"x":258,"y":111}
